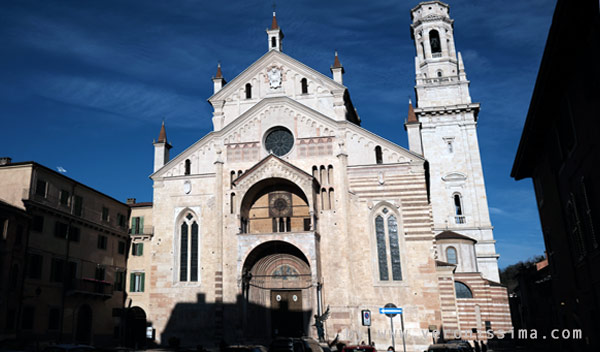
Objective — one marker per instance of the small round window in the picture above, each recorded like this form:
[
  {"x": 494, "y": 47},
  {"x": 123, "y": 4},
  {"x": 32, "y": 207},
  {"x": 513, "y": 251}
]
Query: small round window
[{"x": 279, "y": 141}]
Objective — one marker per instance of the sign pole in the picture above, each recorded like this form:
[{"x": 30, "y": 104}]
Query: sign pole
[
  {"x": 392, "y": 325},
  {"x": 369, "y": 333},
  {"x": 403, "y": 336}
]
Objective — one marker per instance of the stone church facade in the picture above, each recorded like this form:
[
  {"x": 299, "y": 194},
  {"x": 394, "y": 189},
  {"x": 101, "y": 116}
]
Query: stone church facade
[{"x": 289, "y": 208}]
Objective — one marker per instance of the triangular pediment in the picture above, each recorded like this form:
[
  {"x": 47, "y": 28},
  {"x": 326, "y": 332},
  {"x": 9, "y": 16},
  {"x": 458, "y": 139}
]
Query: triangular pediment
[
  {"x": 257, "y": 73},
  {"x": 272, "y": 167}
]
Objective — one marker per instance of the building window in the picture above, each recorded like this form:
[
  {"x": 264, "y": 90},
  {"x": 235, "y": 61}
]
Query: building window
[
  {"x": 331, "y": 197},
  {"x": 105, "y": 214},
  {"x": 57, "y": 267},
  {"x": 248, "y": 91},
  {"x": 137, "y": 225},
  {"x": 273, "y": 42},
  {"x": 188, "y": 167},
  {"x": 119, "y": 280},
  {"x": 35, "y": 266},
  {"x": 41, "y": 188},
  {"x": 439, "y": 73},
  {"x": 137, "y": 249},
  {"x": 102, "y": 241},
  {"x": 64, "y": 197},
  {"x": 74, "y": 233},
  {"x": 121, "y": 248},
  {"x": 38, "y": 223},
  {"x": 232, "y": 203},
  {"x": 450, "y": 147},
  {"x": 136, "y": 282},
  {"x": 304, "y": 84},
  {"x": 100, "y": 273},
  {"x": 188, "y": 248},
  {"x": 121, "y": 220},
  {"x": 451, "y": 255},
  {"x": 378, "y": 155},
  {"x": 77, "y": 205},
  {"x": 60, "y": 230},
  {"x": 462, "y": 290},
  {"x": 27, "y": 318},
  {"x": 458, "y": 209},
  {"x": 53, "y": 318},
  {"x": 388, "y": 245}
]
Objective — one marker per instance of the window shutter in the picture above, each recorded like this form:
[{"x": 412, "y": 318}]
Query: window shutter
[
  {"x": 131, "y": 282},
  {"x": 142, "y": 277},
  {"x": 141, "y": 249},
  {"x": 141, "y": 230}
]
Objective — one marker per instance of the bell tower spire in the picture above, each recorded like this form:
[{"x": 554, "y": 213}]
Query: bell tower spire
[
  {"x": 275, "y": 34},
  {"x": 437, "y": 61}
]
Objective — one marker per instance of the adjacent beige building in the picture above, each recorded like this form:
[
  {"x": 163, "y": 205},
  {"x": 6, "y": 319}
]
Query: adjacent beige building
[{"x": 74, "y": 275}]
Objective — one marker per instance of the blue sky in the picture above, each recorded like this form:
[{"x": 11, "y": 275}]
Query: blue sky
[{"x": 85, "y": 84}]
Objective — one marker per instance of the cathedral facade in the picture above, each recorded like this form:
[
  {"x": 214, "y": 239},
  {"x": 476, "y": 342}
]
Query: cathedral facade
[{"x": 289, "y": 210}]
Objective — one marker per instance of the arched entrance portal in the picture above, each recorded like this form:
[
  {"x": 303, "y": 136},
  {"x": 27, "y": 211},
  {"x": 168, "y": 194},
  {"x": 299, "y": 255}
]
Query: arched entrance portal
[
  {"x": 135, "y": 333},
  {"x": 276, "y": 291}
]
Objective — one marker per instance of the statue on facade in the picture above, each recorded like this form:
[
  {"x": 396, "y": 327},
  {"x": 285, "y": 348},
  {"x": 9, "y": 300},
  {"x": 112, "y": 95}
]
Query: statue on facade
[{"x": 319, "y": 320}]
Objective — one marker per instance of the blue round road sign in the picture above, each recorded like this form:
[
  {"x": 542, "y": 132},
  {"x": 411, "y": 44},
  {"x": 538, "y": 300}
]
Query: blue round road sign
[{"x": 390, "y": 305}]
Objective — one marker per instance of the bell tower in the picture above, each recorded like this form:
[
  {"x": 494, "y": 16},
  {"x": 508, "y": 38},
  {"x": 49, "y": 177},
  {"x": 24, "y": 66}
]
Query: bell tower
[{"x": 447, "y": 121}]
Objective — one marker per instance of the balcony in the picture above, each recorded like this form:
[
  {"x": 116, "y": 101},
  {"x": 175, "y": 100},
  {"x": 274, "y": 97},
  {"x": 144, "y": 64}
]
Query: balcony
[
  {"x": 145, "y": 231},
  {"x": 90, "y": 287},
  {"x": 460, "y": 219}
]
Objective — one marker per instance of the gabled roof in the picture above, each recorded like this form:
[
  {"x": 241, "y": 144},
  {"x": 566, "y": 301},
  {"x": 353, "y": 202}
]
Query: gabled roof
[
  {"x": 450, "y": 235},
  {"x": 264, "y": 161},
  {"x": 240, "y": 79}
]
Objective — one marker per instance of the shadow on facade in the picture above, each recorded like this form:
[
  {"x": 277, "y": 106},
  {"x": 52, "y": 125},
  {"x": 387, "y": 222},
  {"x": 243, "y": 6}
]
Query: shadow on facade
[{"x": 209, "y": 324}]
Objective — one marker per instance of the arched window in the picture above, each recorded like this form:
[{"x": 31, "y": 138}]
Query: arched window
[
  {"x": 188, "y": 167},
  {"x": 239, "y": 173},
  {"x": 248, "y": 91},
  {"x": 331, "y": 199},
  {"x": 315, "y": 172},
  {"x": 330, "y": 174},
  {"x": 232, "y": 177},
  {"x": 323, "y": 176},
  {"x": 458, "y": 205},
  {"x": 434, "y": 41},
  {"x": 451, "y": 255},
  {"x": 324, "y": 199},
  {"x": 304, "y": 84},
  {"x": 273, "y": 42},
  {"x": 378, "y": 155},
  {"x": 188, "y": 248},
  {"x": 388, "y": 245},
  {"x": 462, "y": 290},
  {"x": 232, "y": 203},
  {"x": 439, "y": 73}
]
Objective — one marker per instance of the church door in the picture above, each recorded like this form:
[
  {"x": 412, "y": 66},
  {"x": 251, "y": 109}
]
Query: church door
[{"x": 286, "y": 313}]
